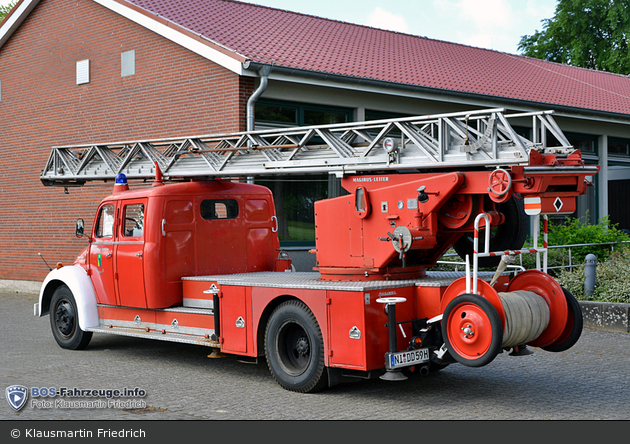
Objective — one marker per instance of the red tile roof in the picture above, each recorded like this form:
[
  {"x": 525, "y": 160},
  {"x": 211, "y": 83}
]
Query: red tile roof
[{"x": 294, "y": 40}]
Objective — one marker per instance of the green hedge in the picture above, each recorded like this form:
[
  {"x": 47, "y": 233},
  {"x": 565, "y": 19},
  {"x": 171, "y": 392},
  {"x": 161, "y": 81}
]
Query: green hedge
[
  {"x": 612, "y": 279},
  {"x": 574, "y": 231}
]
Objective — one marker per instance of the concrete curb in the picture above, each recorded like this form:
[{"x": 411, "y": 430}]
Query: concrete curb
[
  {"x": 606, "y": 316},
  {"x": 15, "y": 286},
  {"x": 598, "y": 315}
]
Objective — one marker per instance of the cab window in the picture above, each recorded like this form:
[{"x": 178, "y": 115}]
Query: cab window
[
  {"x": 219, "y": 209},
  {"x": 134, "y": 220},
  {"x": 105, "y": 222}
]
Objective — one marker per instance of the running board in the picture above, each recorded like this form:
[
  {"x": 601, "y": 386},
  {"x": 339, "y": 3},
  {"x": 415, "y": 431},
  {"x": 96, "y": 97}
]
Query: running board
[
  {"x": 176, "y": 324},
  {"x": 158, "y": 335}
]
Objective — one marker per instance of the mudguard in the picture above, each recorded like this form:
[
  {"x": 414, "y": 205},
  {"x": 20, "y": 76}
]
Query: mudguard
[{"x": 77, "y": 280}]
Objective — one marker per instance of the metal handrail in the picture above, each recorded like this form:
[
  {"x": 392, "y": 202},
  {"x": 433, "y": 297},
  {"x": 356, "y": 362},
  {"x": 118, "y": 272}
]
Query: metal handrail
[
  {"x": 569, "y": 246},
  {"x": 549, "y": 247}
]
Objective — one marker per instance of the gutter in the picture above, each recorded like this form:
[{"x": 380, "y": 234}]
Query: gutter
[{"x": 517, "y": 104}]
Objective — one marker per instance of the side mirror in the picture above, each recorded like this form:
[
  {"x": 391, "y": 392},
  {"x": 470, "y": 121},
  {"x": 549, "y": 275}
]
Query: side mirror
[{"x": 79, "y": 229}]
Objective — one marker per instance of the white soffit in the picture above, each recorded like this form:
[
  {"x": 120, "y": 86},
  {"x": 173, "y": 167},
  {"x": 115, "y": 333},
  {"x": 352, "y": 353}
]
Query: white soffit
[{"x": 16, "y": 19}]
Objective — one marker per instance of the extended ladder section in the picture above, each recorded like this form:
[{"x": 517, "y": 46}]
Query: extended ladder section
[{"x": 457, "y": 140}]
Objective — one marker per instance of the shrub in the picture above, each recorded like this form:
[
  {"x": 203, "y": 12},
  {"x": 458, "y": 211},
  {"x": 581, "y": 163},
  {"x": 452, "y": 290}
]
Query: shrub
[
  {"x": 612, "y": 279},
  {"x": 574, "y": 231}
]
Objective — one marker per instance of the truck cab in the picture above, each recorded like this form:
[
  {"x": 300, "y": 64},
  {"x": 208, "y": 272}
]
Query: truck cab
[{"x": 144, "y": 241}]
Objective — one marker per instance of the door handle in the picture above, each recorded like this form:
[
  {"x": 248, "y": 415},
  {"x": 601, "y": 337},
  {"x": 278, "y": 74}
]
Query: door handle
[{"x": 139, "y": 255}]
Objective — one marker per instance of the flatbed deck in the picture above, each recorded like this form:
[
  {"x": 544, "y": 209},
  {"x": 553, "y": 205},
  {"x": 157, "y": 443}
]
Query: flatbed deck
[{"x": 312, "y": 280}]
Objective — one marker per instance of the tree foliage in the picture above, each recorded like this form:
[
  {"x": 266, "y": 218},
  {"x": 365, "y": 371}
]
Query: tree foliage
[
  {"x": 591, "y": 34},
  {"x": 4, "y": 10}
]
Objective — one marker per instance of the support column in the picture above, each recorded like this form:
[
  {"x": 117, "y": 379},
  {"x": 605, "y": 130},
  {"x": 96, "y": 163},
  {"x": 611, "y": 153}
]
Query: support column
[{"x": 601, "y": 179}]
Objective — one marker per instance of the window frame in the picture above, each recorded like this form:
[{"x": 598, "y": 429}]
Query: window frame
[{"x": 301, "y": 109}]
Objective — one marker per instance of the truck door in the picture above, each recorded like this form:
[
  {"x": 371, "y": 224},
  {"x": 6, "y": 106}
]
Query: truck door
[
  {"x": 101, "y": 258},
  {"x": 129, "y": 254}
]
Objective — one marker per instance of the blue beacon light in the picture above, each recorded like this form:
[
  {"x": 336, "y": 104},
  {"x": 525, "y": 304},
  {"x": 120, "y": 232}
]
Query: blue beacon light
[{"x": 120, "y": 183}]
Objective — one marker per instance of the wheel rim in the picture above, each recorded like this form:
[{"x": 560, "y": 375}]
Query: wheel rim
[
  {"x": 469, "y": 331},
  {"x": 293, "y": 348},
  {"x": 65, "y": 318}
]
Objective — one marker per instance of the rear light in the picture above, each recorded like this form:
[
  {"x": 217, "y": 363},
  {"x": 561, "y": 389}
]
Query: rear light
[{"x": 416, "y": 342}]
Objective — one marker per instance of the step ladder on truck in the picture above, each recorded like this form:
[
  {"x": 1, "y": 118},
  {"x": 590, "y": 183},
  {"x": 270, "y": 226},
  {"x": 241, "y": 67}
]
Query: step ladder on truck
[{"x": 195, "y": 258}]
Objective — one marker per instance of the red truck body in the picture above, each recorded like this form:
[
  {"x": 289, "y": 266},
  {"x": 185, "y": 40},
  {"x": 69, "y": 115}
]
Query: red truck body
[{"x": 198, "y": 261}]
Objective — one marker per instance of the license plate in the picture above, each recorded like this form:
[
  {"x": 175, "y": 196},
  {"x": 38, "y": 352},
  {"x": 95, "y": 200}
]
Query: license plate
[{"x": 406, "y": 358}]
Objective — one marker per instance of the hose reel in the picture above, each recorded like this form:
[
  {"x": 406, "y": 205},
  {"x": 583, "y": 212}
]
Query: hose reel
[
  {"x": 526, "y": 317},
  {"x": 476, "y": 327}
]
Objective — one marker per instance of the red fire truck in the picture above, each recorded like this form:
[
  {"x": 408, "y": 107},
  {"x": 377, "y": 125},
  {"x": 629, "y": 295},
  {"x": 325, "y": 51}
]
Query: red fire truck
[{"x": 195, "y": 258}]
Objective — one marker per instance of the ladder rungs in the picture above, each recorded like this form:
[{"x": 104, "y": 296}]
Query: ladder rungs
[{"x": 479, "y": 138}]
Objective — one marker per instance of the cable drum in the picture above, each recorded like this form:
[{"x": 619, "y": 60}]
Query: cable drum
[{"x": 526, "y": 317}]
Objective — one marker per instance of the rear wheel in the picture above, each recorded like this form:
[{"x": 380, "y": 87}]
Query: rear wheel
[
  {"x": 294, "y": 348},
  {"x": 573, "y": 329},
  {"x": 64, "y": 320},
  {"x": 472, "y": 330}
]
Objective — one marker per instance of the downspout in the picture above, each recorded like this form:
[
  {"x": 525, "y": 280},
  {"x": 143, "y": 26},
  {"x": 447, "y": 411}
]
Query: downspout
[{"x": 263, "y": 72}]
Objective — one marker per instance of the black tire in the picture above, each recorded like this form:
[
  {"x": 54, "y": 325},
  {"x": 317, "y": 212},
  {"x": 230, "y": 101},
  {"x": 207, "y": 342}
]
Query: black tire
[
  {"x": 64, "y": 320},
  {"x": 573, "y": 329},
  {"x": 483, "y": 343},
  {"x": 510, "y": 235},
  {"x": 294, "y": 348}
]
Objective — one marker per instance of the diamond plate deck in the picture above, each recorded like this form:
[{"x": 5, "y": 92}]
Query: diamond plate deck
[{"x": 312, "y": 281}]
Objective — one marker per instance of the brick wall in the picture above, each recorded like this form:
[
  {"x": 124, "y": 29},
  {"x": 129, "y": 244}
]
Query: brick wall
[{"x": 173, "y": 93}]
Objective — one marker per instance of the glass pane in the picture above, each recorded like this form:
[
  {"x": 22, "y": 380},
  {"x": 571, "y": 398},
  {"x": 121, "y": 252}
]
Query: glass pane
[
  {"x": 619, "y": 148},
  {"x": 584, "y": 145},
  {"x": 295, "y": 205},
  {"x": 360, "y": 204},
  {"x": 315, "y": 117},
  {"x": 105, "y": 222},
  {"x": 134, "y": 220},
  {"x": 280, "y": 114},
  {"x": 219, "y": 209}
]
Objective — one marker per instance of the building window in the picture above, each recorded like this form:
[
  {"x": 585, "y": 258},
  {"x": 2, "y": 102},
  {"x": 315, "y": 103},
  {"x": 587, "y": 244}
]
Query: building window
[
  {"x": 586, "y": 143},
  {"x": 271, "y": 113},
  {"x": 128, "y": 63},
  {"x": 371, "y": 114},
  {"x": 618, "y": 147},
  {"x": 83, "y": 72},
  {"x": 295, "y": 196}
]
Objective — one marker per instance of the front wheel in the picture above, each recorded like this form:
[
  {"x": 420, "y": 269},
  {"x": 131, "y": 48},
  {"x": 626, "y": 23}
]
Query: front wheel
[
  {"x": 64, "y": 320},
  {"x": 294, "y": 348}
]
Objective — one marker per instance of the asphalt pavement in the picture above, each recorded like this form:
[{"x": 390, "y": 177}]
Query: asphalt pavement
[{"x": 180, "y": 382}]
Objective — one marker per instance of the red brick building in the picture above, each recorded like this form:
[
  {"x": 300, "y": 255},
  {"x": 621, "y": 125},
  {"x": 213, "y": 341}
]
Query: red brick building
[{"x": 111, "y": 70}]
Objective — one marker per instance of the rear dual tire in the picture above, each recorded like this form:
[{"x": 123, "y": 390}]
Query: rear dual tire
[{"x": 294, "y": 348}]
